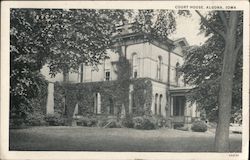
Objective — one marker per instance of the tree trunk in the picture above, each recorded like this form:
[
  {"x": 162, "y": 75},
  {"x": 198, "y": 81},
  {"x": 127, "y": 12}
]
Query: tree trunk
[{"x": 226, "y": 85}]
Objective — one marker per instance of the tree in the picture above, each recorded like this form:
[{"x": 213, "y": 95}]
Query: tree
[
  {"x": 202, "y": 69},
  {"x": 61, "y": 38},
  {"x": 219, "y": 57},
  {"x": 80, "y": 36},
  {"x": 28, "y": 41},
  {"x": 158, "y": 23}
]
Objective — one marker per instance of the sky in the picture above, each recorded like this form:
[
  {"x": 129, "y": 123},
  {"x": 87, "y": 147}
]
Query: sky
[{"x": 188, "y": 27}]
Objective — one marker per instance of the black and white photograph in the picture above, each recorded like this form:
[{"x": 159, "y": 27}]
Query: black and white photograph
[{"x": 126, "y": 79}]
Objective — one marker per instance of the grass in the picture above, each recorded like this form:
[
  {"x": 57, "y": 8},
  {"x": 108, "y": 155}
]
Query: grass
[{"x": 114, "y": 139}]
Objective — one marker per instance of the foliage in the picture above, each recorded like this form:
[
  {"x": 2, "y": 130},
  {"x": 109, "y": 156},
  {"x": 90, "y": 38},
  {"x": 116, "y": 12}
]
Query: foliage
[
  {"x": 87, "y": 121},
  {"x": 199, "y": 126},
  {"x": 127, "y": 121},
  {"x": 54, "y": 120},
  {"x": 158, "y": 23},
  {"x": 202, "y": 68},
  {"x": 61, "y": 38},
  {"x": 144, "y": 122},
  {"x": 35, "y": 119},
  {"x": 178, "y": 125},
  {"x": 80, "y": 36},
  {"x": 184, "y": 128},
  {"x": 28, "y": 43}
]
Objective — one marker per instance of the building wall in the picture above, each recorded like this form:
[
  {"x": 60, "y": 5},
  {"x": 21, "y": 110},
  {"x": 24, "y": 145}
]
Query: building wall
[{"x": 147, "y": 59}]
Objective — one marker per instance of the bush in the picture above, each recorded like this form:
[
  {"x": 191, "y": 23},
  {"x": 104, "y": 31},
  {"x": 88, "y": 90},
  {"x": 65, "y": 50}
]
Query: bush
[
  {"x": 183, "y": 128},
  {"x": 144, "y": 123},
  {"x": 127, "y": 122},
  {"x": 54, "y": 120},
  {"x": 178, "y": 125},
  {"x": 109, "y": 123},
  {"x": 199, "y": 126},
  {"x": 87, "y": 121},
  {"x": 35, "y": 119}
]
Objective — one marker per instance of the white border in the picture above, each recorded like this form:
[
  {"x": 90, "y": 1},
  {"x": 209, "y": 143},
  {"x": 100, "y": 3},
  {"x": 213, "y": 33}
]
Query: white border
[{"x": 5, "y": 38}]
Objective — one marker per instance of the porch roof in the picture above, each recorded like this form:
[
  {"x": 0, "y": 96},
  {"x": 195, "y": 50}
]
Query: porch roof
[{"x": 180, "y": 90}]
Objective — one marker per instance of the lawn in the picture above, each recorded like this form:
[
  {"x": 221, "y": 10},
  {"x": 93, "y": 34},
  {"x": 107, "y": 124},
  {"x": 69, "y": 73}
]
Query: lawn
[{"x": 114, "y": 139}]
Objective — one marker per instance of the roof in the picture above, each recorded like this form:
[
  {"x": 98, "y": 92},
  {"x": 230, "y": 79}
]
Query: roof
[
  {"x": 180, "y": 89},
  {"x": 143, "y": 37}
]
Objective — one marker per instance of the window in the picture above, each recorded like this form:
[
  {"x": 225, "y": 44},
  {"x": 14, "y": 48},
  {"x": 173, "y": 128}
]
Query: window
[
  {"x": 182, "y": 44},
  {"x": 107, "y": 75},
  {"x": 134, "y": 65},
  {"x": 107, "y": 68},
  {"x": 159, "y": 66},
  {"x": 156, "y": 99},
  {"x": 177, "y": 74},
  {"x": 135, "y": 74},
  {"x": 160, "y": 101}
]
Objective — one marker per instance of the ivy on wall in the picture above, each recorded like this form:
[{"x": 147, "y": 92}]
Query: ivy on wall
[{"x": 110, "y": 92}]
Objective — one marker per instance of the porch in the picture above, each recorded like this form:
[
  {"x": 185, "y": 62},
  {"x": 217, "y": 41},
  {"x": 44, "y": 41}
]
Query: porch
[{"x": 182, "y": 111}]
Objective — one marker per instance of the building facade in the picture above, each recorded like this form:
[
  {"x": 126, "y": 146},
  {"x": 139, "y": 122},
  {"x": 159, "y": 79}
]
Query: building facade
[{"x": 152, "y": 62}]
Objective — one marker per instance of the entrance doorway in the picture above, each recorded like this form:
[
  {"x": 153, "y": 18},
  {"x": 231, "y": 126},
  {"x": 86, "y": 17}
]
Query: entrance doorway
[{"x": 179, "y": 103}]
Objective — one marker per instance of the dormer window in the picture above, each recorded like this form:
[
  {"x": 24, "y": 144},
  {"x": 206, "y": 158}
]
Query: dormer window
[{"x": 182, "y": 44}]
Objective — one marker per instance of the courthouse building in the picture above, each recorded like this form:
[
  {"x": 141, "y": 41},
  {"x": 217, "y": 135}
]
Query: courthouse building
[{"x": 155, "y": 85}]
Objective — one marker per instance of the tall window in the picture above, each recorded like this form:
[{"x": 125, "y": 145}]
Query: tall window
[
  {"x": 159, "y": 67},
  {"x": 156, "y": 99},
  {"x": 177, "y": 74},
  {"x": 107, "y": 68},
  {"x": 160, "y": 101},
  {"x": 134, "y": 65}
]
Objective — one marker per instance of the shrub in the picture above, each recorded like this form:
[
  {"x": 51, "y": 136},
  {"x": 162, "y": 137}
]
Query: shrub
[
  {"x": 127, "y": 122},
  {"x": 54, "y": 120},
  {"x": 144, "y": 123},
  {"x": 138, "y": 122},
  {"x": 35, "y": 119},
  {"x": 199, "y": 126},
  {"x": 109, "y": 122},
  {"x": 87, "y": 121},
  {"x": 178, "y": 125},
  {"x": 183, "y": 128}
]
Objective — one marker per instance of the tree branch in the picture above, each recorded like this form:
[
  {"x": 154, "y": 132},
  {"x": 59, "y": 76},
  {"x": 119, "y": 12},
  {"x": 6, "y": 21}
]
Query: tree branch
[
  {"x": 210, "y": 26},
  {"x": 223, "y": 19}
]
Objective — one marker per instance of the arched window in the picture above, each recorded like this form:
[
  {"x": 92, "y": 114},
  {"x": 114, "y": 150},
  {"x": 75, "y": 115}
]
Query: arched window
[
  {"x": 156, "y": 99},
  {"x": 160, "y": 104},
  {"x": 177, "y": 74},
  {"x": 159, "y": 67},
  {"x": 107, "y": 68},
  {"x": 134, "y": 65}
]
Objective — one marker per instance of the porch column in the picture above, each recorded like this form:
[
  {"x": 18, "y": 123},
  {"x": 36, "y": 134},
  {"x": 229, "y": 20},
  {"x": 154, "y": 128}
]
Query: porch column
[
  {"x": 171, "y": 106},
  {"x": 98, "y": 103},
  {"x": 131, "y": 88},
  {"x": 50, "y": 99}
]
